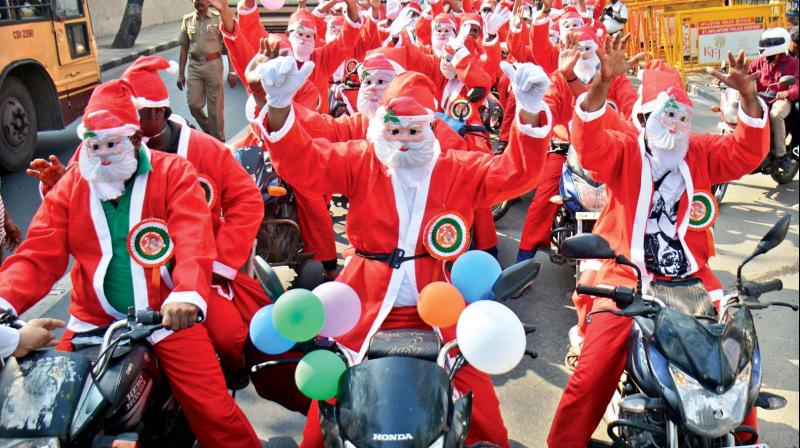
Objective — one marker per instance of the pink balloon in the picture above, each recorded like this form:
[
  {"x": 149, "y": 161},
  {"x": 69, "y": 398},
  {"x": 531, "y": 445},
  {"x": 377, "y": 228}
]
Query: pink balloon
[
  {"x": 272, "y": 5},
  {"x": 342, "y": 308}
]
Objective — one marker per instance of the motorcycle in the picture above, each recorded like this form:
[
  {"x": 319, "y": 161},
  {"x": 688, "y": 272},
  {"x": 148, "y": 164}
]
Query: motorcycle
[
  {"x": 692, "y": 375},
  {"x": 581, "y": 200},
  {"x": 339, "y": 103},
  {"x": 279, "y": 240},
  {"x": 402, "y": 394},
  {"x": 728, "y": 110},
  {"x": 109, "y": 392}
]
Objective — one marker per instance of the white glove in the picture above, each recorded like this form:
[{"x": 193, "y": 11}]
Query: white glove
[
  {"x": 529, "y": 83},
  {"x": 495, "y": 20},
  {"x": 393, "y": 9},
  {"x": 281, "y": 79},
  {"x": 457, "y": 43},
  {"x": 403, "y": 20}
]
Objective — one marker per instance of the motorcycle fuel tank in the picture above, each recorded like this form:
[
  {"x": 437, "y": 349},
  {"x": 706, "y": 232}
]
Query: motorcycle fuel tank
[
  {"x": 39, "y": 393},
  {"x": 393, "y": 401}
]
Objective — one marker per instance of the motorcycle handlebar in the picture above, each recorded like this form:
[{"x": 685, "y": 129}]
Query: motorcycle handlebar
[
  {"x": 621, "y": 295},
  {"x": 755, "y": 290},
  {"x": 152, "y": 317}
]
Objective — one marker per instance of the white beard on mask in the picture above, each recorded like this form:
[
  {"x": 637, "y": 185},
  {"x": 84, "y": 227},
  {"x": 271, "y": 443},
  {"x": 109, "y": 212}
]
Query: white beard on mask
[
  {"x": 302, "y": 50},
  {"x": 388, "y": 152},
  {"x": 667, "y": 150},
  {"x": 438, "y": 43},
  {"x": 109, "y": 180},
  {"x": 586, "y": 69},
  {"x": 367, "y": 106}
]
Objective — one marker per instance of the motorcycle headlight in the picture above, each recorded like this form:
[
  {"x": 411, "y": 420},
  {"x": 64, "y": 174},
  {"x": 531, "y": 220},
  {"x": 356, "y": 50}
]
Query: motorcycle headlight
[
  {"x": 44, "y": 442},
  {"x": 707, "y": 413},
  {"x": 592, "y": 199}
]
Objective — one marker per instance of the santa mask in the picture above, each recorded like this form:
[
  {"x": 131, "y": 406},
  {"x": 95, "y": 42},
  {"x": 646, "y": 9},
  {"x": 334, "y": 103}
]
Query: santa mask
[
  {"x": 332, "y": 33},
  {"x": 554, "y": 36},
  {"x": 589, "y": 63},
  {"x": 568, "y": 24},
  {"x": 371, "y": 91},
  {"x": 441, "y": 36},
  {"x": 106, "y": 163},
  {"x": 667, "y": 133},
  {"x": 302, "y": 42},
  {"x": 401, "y": 144}
]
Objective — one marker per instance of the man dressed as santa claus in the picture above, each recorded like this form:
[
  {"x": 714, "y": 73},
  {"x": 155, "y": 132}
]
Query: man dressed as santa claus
[
  {"x": 402, "y": 165},
  {"x": 653, "y": 179},
  {"x": 125, "y": 213},
  {"x": 578, "y": 66}
]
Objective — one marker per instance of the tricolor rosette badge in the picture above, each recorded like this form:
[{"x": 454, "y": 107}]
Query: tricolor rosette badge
[
  {"x": 446, "y": 236},
  {"x": 209, "y": 188},
  {"x": 703, "y": 210},
  {"x": 150, "y": 246}
]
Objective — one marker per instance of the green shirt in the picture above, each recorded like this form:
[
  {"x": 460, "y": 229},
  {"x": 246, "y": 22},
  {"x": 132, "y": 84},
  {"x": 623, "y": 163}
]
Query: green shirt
[{"x": 118, "y": 282}]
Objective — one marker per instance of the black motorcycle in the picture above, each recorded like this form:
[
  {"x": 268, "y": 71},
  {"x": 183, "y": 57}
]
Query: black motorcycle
[
  {"x": 402, "y": 394},
  {"x": 109, "y": 392},
  {"x": 692, "y": 375}
]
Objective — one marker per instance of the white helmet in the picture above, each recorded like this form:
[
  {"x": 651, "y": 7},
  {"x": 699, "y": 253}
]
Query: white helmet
[{"x": 774, "y": 41}]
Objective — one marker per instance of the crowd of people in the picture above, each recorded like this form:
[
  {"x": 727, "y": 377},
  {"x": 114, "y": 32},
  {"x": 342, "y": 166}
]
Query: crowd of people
[{"x": 158, "y": 214}]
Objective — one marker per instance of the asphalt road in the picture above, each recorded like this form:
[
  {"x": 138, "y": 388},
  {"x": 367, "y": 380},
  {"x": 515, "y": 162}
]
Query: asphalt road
[{"x": 529, "y": 394}]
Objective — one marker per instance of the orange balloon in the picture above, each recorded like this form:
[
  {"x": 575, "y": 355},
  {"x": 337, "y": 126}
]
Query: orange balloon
[{"x": 440, "y": 304}]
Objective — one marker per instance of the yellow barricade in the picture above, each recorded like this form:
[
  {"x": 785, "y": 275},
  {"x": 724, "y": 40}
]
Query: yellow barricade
[{"x": 696, "y": 38}]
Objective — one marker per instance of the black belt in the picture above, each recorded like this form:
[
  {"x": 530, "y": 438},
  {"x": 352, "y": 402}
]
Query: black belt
[{"x": 393, "y": 259}]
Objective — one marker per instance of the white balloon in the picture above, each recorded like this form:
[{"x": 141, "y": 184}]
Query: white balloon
[{"x": 491, "y": 337}]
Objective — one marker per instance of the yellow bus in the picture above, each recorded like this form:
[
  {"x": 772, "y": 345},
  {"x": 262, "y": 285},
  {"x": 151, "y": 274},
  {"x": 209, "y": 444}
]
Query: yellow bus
[{"x": 48, "y": 69}]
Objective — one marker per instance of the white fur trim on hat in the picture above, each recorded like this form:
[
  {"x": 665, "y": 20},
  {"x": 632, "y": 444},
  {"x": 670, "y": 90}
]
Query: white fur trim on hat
[
  {"x": 103, "y": 134},
  {"x": 141, "y": 103}
]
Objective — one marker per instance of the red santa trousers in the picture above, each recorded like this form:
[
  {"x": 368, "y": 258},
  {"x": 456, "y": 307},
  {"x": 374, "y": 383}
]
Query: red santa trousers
[
  {"x": 487, "y": 422},
  {"x": 195, "y": 378},
  {"x": 484, "y": 231},
  {"x": 536, "y": 231},
  {"x": 316, "y": 225}
]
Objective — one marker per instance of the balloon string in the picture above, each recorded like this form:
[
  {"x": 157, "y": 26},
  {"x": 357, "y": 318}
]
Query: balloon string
[{"x": 444, "y": 272}]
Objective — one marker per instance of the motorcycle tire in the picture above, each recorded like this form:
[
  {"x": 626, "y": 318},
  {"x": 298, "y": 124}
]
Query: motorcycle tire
[
  {"x": 719, "y": 191},
  {"x": 784, "y": 177},
  {"x": 500, "y": 209}
]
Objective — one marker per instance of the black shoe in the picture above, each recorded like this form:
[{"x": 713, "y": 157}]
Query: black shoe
[
  {"x": 236, "y": 379},
  {"x": 786, "y": 163}
]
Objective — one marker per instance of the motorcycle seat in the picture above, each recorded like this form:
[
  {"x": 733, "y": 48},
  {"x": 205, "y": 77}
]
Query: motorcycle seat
[{"x": 420, "y": 344}]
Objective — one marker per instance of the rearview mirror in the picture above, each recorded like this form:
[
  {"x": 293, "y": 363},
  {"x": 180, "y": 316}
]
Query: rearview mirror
[
  {"x": 787, "y": 80},
  {"x": 514, "y": 278},
  {"x": 476, "y": 94},
  {"x": 775, "y": 236},
  {"x": 587, "y": 246},
  {"x": 268, "y": 278}
]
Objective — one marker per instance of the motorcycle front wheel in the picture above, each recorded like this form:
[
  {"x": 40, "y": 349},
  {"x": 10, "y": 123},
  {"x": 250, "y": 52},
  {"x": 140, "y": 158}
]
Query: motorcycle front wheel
[
  {"x": 719, "y": 191},
  {"x": 784, "y": 177},
  {"x": 500, "y": 209}
]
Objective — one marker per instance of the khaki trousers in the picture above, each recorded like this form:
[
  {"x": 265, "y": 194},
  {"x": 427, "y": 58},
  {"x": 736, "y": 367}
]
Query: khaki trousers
[{"x": 204, "y": 85}]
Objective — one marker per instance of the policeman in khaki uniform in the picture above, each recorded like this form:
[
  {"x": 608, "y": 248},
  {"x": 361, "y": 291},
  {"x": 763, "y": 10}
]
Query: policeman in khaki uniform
[{"x": 201, "y": 45}]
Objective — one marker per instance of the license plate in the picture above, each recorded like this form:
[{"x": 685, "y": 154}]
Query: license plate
[
  {"x": 585, "y": 216},
  {"x": 760, "y": 445}
]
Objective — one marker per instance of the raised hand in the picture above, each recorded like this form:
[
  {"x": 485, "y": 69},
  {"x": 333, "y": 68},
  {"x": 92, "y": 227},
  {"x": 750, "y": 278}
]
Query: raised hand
[
  {"x": 47, "y": 171},
  {"x": 738, "y": 76},
  {"x": 568, "y": 56},
  {"x": 265, "y": 53},
  {"x": 458, "y": 42},
  {"x": 401, "y": 22},
  {"x": 281, "y": 79},
  {"x": 615, "y": 62},
  {"x": 529, "y": 83},
  {"x": 496, "y": 19}
]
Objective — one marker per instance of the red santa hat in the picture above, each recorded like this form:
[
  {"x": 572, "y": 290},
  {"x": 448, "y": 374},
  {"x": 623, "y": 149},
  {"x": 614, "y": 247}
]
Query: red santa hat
[
  {"x": 110, "y": 112},
  {"x": 377, "y": 63},
  {"x": 586, "y": 34},
  {"x": 149, "y": 89},
  {"x": 570, "y": 18},
  {"x": 661, "y": 85},
  {"x": 487, "y": 4},
  {"x": 415, "y": 6},
  {"x": 337, "y": 21},
  {"x": 408, "y": 99},
  {"x": 444, "y": 19},
  {"x": 471, "y": 18},
  {"x": 302, "y": 20}
]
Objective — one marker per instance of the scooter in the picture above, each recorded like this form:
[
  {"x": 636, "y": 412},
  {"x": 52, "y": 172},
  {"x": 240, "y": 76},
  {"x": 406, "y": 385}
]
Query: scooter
[
  {"x": 692, "y": 375},
  {"x": 771, "y": 166},
  {"x": 109, "y": 392},
  {"x": 339, "y": 103},
  {"x": 279, "y": 240},
  {"x": 402, "y": 395},
  {"x": 581, "y": 201}
]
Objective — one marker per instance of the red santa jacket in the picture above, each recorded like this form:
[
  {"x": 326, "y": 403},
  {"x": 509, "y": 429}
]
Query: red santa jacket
[
  {"x": 562, "y": 103},
  {"x": 236, "y": 204},
  {"x": 618, "y": 159},
  {"x": 71, "y": 222},
  {"x": 456, "y": 181}
]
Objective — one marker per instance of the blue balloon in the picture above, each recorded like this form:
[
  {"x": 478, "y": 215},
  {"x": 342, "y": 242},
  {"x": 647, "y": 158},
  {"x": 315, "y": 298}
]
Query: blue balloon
[
  {"x": 265, "y": 336},
  {"x": 474, "y": 274}
]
